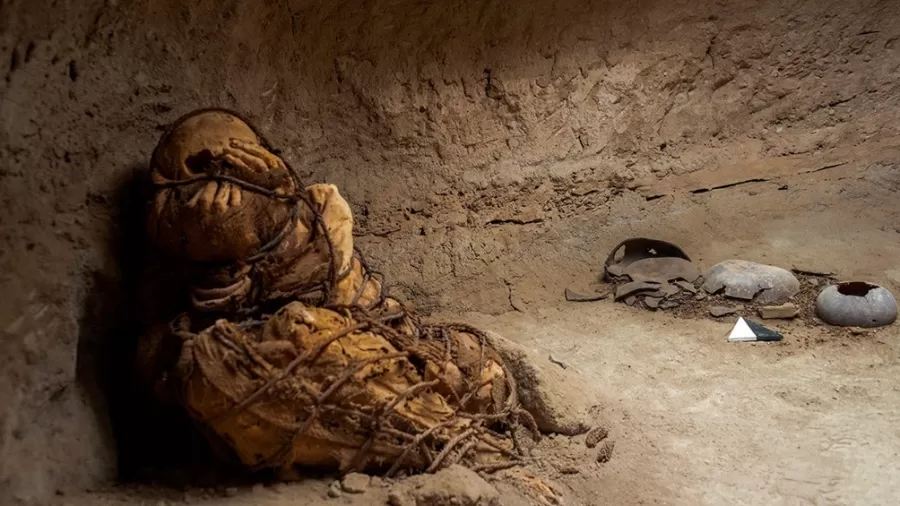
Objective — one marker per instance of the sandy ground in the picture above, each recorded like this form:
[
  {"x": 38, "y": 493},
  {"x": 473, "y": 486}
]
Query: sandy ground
[
  {"x": 698, "y": 420},
  {"x": 695, "y": 419}
]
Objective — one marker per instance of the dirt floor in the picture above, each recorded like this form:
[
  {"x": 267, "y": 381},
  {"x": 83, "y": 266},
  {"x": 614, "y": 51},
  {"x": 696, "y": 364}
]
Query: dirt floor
[{"x": 695, "y": 419}]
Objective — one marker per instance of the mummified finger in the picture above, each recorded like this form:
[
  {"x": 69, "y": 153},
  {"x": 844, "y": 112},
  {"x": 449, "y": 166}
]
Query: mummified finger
[{"x": 235, "y": 214}]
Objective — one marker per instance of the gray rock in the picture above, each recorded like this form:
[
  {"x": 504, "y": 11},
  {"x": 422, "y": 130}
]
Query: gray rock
[
  {"x": 740, "y": 279},
  {"x": 784, "y": 311},
  {"x": 856, "y": 304}
]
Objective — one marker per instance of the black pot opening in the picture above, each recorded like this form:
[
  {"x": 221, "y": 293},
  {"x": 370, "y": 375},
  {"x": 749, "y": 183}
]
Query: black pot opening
[{"x": 855, "y": 288}]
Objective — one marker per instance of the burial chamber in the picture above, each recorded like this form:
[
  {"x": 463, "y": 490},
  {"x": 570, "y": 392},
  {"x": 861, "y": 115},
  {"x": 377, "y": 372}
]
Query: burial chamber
[{"x": 492, "y": 152}]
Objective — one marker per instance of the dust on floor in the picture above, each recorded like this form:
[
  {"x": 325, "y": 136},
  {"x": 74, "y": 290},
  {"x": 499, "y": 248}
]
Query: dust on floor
[{"x": 695, "y": 419}]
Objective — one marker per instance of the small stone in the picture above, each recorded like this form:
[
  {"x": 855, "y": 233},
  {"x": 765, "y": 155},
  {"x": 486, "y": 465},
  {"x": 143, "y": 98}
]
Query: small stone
[
  {"x": 334, "y": 490},
  {"x": 605, "y": 452},
  {"x": 231, "y": 491},
  {"x": 784, "y": 311},
  {"x": 813, "y": 281},
  {"x": 569, "y": 470},
  {"x": 595, "y": 435},
  {"x": 398, "y": 499},
  {"x": 719, "y": 311},
  {"x": 279, "y": 487},
  {"x": 355, "y": 483},
  {"x": 856, "y": 331}
]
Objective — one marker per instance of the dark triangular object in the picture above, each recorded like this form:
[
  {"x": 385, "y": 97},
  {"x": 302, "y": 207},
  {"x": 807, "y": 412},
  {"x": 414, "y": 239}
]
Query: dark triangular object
[{"x": 763, "y": 333}]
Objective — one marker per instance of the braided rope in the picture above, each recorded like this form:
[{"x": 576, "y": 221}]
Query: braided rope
[{"x": 421, "y": 449}]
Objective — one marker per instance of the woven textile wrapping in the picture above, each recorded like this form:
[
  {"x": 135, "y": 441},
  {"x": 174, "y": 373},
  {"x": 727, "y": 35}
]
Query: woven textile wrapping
[{"x": 292, "y": 351}]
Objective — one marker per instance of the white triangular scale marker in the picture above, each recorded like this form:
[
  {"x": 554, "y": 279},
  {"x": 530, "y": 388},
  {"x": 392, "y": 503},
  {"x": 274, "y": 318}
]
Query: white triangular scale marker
[{"x": 741, "y": 332}]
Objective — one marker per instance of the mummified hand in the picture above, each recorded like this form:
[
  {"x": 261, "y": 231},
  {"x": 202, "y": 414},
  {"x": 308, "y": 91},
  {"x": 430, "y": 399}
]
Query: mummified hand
[
  {"x": 317, "y": 249},
  {"x": 227, "y": 221},
  {"x": 206, "y": 220}
]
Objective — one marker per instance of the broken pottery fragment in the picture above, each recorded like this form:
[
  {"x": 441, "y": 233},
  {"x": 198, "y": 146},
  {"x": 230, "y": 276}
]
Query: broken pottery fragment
[
  {"x": 810, "y": 271},
  {"x": 741, "y": 279},
  {"x": 652, "y": 302},
  {"x": 574, "y": 296},
  {"x": 684, "y": 285},
  {"x": 667, "y": 290},
  {"x": 719, "y": 311},
  {"x": 639, "y": 248},
  {"x": 783, "y": 311},
  {"x": 634, "y": 287},
  {"x": 856, "y": 304},
  {"x": 650, "y": 273}
]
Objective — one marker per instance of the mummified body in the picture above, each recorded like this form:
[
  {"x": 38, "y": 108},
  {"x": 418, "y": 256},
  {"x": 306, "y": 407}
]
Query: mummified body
[{"x": 308, "y": 362}]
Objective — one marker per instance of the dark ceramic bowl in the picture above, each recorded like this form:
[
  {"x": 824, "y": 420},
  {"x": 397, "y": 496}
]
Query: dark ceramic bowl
[{"x": 856, "y": 304}]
